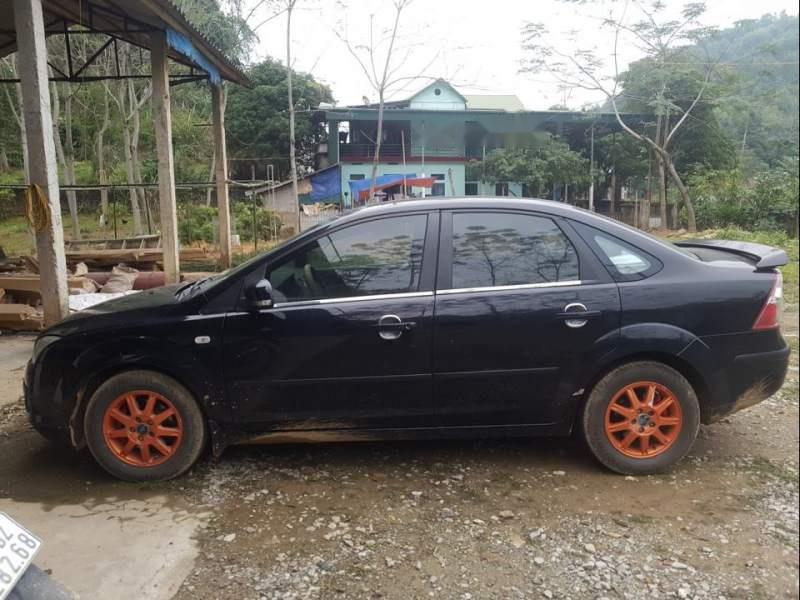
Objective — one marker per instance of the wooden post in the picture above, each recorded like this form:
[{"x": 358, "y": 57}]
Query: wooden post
[
  {"x": 162, "y": 121},
  {"x": 221, "y": 174},
  {"x": 32, "y": 53}
]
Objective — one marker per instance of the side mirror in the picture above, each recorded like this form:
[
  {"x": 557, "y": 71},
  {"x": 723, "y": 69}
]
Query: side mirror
[{"x": 259, "y": 295}]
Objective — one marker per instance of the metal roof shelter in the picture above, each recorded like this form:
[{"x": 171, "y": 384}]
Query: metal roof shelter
[{"x": 154, "y": 25}]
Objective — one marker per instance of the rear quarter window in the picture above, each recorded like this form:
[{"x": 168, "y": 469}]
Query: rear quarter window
[{"x": 623, "y": 261}]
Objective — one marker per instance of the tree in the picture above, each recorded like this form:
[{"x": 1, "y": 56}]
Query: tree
[
  {"x": 538, "y": 166},
  {"x": 665, "y": 43},
  {"x": 385, "y": 80},
  {"x": 265, "y": 104}
]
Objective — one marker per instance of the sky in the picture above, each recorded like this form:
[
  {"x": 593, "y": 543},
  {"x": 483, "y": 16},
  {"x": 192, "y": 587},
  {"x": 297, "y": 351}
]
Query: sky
[{"x": 474, "y": 44}]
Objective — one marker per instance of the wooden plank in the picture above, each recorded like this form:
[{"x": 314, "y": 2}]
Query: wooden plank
[
  {"x": 221, "y": 174},
  {"x": 162, "y": 124},
  {"x": 23, "y": 282},
  {"x": 20, "y": 317}
]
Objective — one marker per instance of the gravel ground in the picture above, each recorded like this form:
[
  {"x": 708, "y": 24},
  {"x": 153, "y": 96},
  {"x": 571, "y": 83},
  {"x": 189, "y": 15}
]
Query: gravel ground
[{"x": 498, "y": 519}]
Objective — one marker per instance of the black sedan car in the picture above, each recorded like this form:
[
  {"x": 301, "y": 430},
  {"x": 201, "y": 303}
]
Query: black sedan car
[{"x": 437, "y": 318}]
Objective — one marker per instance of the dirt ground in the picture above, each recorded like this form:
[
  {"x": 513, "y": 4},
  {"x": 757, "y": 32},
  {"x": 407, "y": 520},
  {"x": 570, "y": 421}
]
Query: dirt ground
[{"x": 468, "y": 519}]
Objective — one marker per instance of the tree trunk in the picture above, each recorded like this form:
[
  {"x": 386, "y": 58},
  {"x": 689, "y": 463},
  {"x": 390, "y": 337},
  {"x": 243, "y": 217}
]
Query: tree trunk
[
  {"x": 613, "y": 193},
  {"x": 211, "y": 172},
  {"x": 23, "y": 135},
  {"x": 691, "y": 220},
  {"x": 378, "y": 141},
  {"x": 4, "y": 166},
  {"x": 131, "y": 178},
  {"x": 292, "y": 157},
  {"x": 128, "y": 147},
  {"x": 99, "y": 151},
  {"x": 662, "y": 175},
  {"x": 65, "y": 157}
]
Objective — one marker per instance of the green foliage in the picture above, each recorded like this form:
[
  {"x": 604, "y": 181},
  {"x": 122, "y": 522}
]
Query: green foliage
[
  {"x": 258, "y": 118},
  {"x": 539, "y": 166},
  {"x": 768, "y": 202},
  {"x": 666, "y": 86},
  {"x": 196, "y": 222},
  {"x": 760, "y": 114},
  {"x": 266, "y": 222},
  {"x": 228, "y": 32}
]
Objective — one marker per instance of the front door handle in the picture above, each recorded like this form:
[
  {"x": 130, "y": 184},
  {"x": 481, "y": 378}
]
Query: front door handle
[
  {"x": 576, "y": 315},
  {"x": 391, "y": 327}
]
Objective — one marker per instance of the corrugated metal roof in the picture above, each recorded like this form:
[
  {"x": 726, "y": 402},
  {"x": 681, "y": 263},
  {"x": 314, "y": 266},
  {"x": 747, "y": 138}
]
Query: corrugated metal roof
[{"x": 110, "y": 14}]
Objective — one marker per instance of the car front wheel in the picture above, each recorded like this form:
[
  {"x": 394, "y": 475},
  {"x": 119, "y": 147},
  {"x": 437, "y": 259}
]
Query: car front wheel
[
  {"x": 144, "y": 426},
  {"x": 641, "y": 418}
]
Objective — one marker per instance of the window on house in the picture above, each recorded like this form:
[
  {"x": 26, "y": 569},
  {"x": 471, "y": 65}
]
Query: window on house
[
  {"x": 356, "y": 176},
  {"x": 493, "y": 249},
  {"x": 438, "y": 185},
  {"x": 378, "y": 257},
  {"x": 501, "y": 189},
  {"x": 471, "y": 188}
]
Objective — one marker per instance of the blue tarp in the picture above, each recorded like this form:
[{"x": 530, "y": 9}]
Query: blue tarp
[
  {"x": 356, "y": 187},
  {"x": 181, "y": 43},
  {"x": 326, "y": 185}
]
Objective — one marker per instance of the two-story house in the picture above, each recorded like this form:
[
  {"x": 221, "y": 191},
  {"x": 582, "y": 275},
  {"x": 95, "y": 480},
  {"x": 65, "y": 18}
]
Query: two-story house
[{"x": 436, "y": 134}]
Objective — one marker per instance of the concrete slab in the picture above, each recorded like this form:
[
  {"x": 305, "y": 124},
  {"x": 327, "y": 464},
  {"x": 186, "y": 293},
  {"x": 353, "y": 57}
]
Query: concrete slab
[
  {"x": 101, "y": 538},
  {"x": 113, "y": 548},
  {"x": 15, "y": 350}
]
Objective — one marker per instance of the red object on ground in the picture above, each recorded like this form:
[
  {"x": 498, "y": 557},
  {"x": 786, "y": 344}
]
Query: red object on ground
[{"x": 145, "y": 280}]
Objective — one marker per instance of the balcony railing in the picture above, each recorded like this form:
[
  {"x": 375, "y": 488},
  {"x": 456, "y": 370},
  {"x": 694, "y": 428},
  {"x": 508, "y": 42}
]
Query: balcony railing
[{"x": 395, "y": 151}]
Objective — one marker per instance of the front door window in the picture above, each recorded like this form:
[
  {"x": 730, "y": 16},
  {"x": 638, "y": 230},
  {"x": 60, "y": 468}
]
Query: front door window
[{"x": 383, "y": 256}]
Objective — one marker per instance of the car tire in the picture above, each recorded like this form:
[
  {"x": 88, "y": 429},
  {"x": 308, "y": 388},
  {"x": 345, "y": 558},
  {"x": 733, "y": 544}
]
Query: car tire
[
  {"x": 641, "y": 418},
  {"x": 144, "y": 426}
]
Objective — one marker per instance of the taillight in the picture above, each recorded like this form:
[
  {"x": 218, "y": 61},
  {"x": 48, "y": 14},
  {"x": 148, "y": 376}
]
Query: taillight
[{"x": 772, "y": 313}]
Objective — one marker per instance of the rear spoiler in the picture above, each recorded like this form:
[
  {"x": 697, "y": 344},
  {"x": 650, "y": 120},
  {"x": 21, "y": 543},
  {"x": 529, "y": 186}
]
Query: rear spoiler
[{"x": 764, "y": 257}]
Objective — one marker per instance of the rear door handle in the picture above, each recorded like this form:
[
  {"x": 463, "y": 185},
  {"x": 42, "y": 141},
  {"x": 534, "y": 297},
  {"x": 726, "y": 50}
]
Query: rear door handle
[
  {"x": 579, "y": 314},
  {"x": 576, "y": 315}
]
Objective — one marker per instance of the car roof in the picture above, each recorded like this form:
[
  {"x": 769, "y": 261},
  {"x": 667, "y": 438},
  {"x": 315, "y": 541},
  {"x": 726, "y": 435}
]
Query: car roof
[{"x": 471, "y": 202}]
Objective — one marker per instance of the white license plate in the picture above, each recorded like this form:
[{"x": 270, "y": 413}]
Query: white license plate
[{"x": 18, "y": 546}]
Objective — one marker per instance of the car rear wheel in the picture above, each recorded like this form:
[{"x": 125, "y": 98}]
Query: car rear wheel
[
  {"x": 144, "y": 426},
  {"x": 641, "y": 418}
]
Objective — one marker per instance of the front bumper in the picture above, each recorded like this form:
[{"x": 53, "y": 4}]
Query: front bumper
[
  {"x": 751, "y": 379},
  {"x": 53, "y": 423}
]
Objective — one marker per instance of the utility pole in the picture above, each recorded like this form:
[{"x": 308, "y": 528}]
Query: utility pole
[{"x": 591, "y": 171}]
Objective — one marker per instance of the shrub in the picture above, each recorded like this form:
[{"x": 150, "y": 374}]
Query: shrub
[
  {"x": 196, "y": 222},
  {"x": 266, "y": 221},
  {"x": 726, "y": 199}
]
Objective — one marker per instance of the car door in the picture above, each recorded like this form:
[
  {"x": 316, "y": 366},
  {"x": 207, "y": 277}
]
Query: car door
[
  {"x": 347, "y": 342},
  {"x": 523, "y": 309}
]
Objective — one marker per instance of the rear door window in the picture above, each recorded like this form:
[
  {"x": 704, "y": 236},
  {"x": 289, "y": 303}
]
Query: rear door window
[{"x": 493, "y": 249}]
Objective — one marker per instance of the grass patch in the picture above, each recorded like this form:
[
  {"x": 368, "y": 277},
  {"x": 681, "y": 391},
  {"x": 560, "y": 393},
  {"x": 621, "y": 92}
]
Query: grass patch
[{"x": 762, "y": 466}]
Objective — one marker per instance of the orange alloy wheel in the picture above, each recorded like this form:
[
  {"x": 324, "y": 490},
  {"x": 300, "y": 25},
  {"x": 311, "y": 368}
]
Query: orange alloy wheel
[
  {"x": 643, "y": 419},
  {"x": 142, "y": 428}
]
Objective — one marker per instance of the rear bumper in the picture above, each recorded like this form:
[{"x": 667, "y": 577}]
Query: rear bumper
[{"x": 751, "y": 378}]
